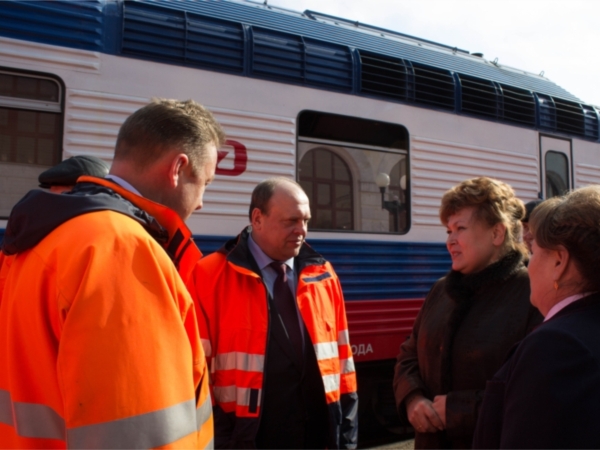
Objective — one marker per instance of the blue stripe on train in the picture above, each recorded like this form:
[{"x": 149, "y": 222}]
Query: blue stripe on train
[{"x": 371, "y": 270}]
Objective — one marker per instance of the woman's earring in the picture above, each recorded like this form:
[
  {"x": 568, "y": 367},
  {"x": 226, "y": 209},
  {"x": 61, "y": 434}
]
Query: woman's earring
[{"x": 556, "y": 285}]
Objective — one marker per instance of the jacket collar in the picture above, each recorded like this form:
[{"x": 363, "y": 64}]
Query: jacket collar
[
  {"x": 239, "y": 254},
  {"x": 578, "y": 305},
  {"x": 461, "y": 287},
  {"x": 40, "y": 212},
  {"x": 177, "y": 239}
]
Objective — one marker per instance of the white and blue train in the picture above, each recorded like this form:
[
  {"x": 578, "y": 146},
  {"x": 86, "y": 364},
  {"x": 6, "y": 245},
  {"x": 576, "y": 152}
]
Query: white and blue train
[{"x": 376, "y": 126}]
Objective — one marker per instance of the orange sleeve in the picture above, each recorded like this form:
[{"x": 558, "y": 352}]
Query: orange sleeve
[
  {"x": 129, "y": 353},
  {"x": 198, "y": 282}
]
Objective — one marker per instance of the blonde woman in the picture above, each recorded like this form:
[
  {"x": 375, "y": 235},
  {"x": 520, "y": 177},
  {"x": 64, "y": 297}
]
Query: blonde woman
[{"x": 471, "y": 317}]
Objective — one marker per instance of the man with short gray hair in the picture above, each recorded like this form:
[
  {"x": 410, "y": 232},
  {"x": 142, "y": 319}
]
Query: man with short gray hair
[{"x": 275, "y": 333}]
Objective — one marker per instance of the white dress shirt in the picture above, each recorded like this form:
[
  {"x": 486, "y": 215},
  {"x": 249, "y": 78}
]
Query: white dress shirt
[{"x": 269, "y": 275}]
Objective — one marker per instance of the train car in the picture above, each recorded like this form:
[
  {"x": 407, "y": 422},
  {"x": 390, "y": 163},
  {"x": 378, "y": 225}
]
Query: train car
[{"x": 376, "y": 125}]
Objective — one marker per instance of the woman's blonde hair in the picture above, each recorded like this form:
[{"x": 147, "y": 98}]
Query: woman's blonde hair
[
  {"x": 572, "y": 221},
  {"x": 494, "y": 202}
]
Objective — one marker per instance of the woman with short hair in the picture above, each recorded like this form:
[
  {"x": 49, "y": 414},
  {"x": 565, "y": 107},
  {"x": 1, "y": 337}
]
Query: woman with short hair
[
  {"x": 471, "y": 317},
  {"x": 547, "y": 395}
]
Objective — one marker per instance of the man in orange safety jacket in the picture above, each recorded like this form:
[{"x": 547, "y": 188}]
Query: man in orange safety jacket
[
  {"x": 274, "y": 331},
  {"x": 99, "y": 342}
]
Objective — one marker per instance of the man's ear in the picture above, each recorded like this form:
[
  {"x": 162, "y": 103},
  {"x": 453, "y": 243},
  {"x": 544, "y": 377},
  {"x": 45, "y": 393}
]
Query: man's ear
[
  {"x": 256, "y": 219},
  {"x": 177, "y": 163}
]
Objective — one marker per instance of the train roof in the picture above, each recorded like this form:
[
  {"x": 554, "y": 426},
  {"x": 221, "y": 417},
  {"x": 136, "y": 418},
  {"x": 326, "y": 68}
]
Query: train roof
[
  {"x": 258, "y": 40},
  {"x": 307, "y": 24},
  {"x": 345, "y": 32}
]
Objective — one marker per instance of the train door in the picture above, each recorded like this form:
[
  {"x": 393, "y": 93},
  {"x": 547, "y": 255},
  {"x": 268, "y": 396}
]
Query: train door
[{"x": 556, "y": 166}]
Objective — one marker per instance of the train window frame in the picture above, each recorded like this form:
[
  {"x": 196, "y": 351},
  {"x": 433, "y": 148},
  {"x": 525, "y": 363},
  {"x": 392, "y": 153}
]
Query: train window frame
[
  {"x": 32, "y": 104},
  {"x": 340, "y": 211},
  {"x": 556, "y": 183},
  {"x": 16, "y": 103},
  {"x": 36, "y": 116},
  {"x": 359, "y": 142}
]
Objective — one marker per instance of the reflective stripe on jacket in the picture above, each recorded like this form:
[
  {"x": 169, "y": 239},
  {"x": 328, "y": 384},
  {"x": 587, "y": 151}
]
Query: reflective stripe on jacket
[
  {"x": 231, "y": 302},
  {"x": 99, "y": 343}
]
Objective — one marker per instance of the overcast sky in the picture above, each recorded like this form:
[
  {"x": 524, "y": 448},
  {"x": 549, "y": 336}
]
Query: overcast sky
[{"x": 559, "y": 37}]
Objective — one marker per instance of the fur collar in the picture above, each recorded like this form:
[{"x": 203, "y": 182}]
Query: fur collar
[{"x": 461, "y": 288}]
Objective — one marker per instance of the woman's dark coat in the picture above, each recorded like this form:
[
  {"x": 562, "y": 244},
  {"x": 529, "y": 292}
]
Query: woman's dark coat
[
  {"x": 461, "y": 337},
  {"x": 547, "y": 395}
]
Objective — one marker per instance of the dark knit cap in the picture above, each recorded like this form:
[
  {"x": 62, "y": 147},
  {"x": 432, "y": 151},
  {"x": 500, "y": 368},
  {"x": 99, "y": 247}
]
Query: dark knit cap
[
  {"x": 66, "y": 172},
  {"x": 529, "y": 207}
]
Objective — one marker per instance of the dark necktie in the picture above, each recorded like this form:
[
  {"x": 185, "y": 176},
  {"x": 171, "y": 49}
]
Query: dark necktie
[{"x": 286, "y": 307}]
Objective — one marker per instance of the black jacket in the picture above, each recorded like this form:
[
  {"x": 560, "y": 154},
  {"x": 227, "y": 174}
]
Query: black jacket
[
  {"x": 547, "y": 394},
  {"x": 462, "y": 334}
]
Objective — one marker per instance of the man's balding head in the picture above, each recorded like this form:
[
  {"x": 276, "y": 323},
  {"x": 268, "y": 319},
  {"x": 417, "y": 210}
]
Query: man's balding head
[
  {"x": 279, "y": 214},
  {"x": 265, "y": 189}
]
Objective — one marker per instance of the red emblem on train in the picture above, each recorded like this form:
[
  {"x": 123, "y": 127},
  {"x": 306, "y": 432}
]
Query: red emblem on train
[{"x": 240, "y": 159}]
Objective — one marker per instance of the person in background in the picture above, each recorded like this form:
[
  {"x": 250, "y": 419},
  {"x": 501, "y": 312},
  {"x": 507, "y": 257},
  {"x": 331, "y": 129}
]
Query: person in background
[
  {"x": 98, "y": 333},
  {"x": 63, "y": 176},
  {"x": 547, "y": 394},
  {"x": 273, "y": 320},
  {"x": 527, "y": 236},
  {"x": 471, "y": 317}
]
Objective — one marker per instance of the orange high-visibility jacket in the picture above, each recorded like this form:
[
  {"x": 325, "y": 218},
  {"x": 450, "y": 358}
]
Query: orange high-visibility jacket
[
  {"x": 99, "y": 342},
  {"x": 231, "y": 302}
]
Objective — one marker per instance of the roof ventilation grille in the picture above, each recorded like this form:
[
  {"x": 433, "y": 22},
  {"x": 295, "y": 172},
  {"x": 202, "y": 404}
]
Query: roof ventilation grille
[
  {"x": 328, "y": 65},
  {"x": 432, "y": 86},
  {"x": 154, "y": 32},
  {"x": 547, "y": 112},
  {"x": 478, "y": 97},
  {"x": 277, "y": 55},
  {"x": 292, "y": 58},
  {"x": 590, "y": 122},
  {"x": 519, "y": 105},
  {"x": 569, "y": 117},
  {"x": 383, "y": 76},
  {"x": 68, "y": 23}
]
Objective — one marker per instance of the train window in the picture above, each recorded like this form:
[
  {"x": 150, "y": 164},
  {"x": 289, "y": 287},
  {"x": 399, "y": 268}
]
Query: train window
[
  {"x": 354, "y": 172},
  {"x": 557, "y": 174},
  {"x": 30, "y": 132},
  {"x": 327, "y": 181}
]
